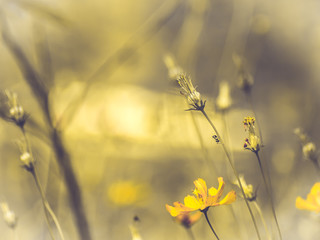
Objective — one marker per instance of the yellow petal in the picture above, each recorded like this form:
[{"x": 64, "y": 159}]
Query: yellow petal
[
  {"x": 315, "y": 190},
  {"x": 215, "y": 194},
  {"x": 192, "y": 203},
  {"x": 201, "y": 188},
  {"x": 195, "y": 217},
  {"x": 306, "y": 205},
  {"x": 212, "y": 191},
  {"x": 172, "y": 210},
  {"x": 230, "y": 198}
]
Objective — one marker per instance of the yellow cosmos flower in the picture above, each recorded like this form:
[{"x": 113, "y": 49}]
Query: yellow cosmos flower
[
  {"x": 203, "y": 199},
  {"x": 312, "y": 203}
]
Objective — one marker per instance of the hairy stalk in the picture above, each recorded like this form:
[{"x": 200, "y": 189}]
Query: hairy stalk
[
  {"x": 234, "y": 171},
  {"x": 262, "y": 219},
  {"x": 206, "y": 215},
  {"x": 269, "y": 194},
  {"x": 190, "y": 234},
  {"x": 46, "y": 205}
]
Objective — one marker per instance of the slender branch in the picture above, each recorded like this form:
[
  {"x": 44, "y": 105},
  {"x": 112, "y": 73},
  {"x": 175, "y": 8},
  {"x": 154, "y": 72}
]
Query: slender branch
[
  {"x": 234, "y": 171},
  {"x": 269, "y": 194},
  {"x": 206, "y": 215}
]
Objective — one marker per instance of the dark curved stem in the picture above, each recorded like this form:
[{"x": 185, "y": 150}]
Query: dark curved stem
[
  {"x": 206, "y": 215},
  {"x": 269, "y": 193}
]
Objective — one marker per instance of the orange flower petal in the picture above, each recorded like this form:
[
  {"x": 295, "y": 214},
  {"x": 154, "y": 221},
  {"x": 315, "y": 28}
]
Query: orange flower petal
[
  {"x": 192, "y": 203},
  {"x": 306, "y": 205},
  {"x": 230, "y": 198},
  {"x": 201, "y": 188},
  {"x": 172, "y": 210},
  {"x": 215, "y": 194}
]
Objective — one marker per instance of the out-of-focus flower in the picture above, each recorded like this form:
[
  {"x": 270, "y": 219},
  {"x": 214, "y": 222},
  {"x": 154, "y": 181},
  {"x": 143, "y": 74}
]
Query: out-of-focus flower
[
  {"x": 247, "y": 188},
  {"x": 10, "y": 108},
  {"x": 251, "y": 143},
  {"x": 188, "y": 219},
  {"x": 126, "y": 193},
  {"x": 308, "y": 147},
  {"x": 312, "y": 203},
  {"x": 8, "y": 215},
  {"x": 203, "y": 199},
  {"x": 245, "y": 79},
  {"x": 224, "y": 100}
]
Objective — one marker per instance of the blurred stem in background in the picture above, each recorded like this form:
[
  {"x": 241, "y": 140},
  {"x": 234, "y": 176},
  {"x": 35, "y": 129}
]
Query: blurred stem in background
[
  {"x": 41, "y": 91},
  {"x": 30, "y": 167},
  {"x": 190, "y": 234},
  {"x": 252, "y": 198},
  {"x": 269, "y": 192},
  {"x": 12, "y": 111},
  {"x": 256, "y": 205}
]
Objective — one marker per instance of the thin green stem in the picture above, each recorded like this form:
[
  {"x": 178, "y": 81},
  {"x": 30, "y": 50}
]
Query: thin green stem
[
  {"x": 262, "y": 219},
  {"x": 206, "y": 215},
  {"x": 269, "y": 193},
  {"x": 234, "y": 171}
]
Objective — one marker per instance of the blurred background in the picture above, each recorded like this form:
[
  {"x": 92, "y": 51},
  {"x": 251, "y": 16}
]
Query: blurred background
[{"x": 133, "y": 146}]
